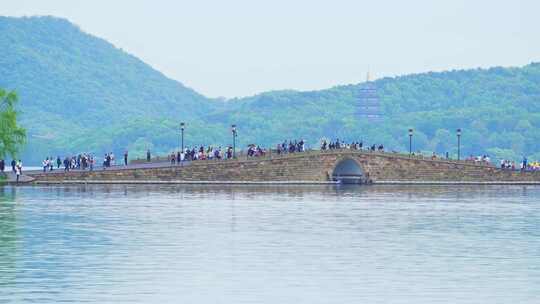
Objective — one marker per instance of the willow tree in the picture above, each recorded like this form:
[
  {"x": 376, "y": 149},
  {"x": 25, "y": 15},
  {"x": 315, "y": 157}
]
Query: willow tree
[{"x": 12, "y": 136}]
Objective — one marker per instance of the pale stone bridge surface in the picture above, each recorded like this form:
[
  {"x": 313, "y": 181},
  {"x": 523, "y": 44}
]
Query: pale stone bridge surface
[{"x": 304, "y": 167}]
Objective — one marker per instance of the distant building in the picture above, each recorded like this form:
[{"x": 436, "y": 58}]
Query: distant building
[{"x": 368, "y": 107}]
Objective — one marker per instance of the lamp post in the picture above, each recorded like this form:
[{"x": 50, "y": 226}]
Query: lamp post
[
  {"x": 182, "y": 127},
  {"x": 458, "y": 132},
  {"x": 410, "y": 141},
  {"x": 233, "y": 130}
]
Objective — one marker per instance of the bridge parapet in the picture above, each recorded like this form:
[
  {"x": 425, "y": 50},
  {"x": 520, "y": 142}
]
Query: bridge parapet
[{"x": 272, "y": 154}]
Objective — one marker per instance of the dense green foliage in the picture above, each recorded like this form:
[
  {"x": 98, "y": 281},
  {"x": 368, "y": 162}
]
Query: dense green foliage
[
  {"x": 80, "y": 93},
  {"x": 498, "y": 110},
  {"x": 12, "y": 136}
]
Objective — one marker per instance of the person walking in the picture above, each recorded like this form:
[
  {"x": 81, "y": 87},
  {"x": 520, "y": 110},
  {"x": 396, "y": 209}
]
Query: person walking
[
  {"x": 2, "y": 165},
  {"x": 13, "y": 164},
  {"x": 67, "y": 164},
  {"x": 18, "y": 170},
  {"x": 125, "y": 158},
  {"x": 148, "y": 156}
]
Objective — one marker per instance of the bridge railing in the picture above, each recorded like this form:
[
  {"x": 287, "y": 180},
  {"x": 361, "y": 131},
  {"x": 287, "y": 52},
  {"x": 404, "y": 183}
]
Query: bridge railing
[{"x": 274, "y": 154}]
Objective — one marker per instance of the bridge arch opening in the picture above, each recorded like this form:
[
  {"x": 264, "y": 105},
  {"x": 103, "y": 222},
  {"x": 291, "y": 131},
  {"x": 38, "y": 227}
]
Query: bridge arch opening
[{"x": 348, "y": 171}]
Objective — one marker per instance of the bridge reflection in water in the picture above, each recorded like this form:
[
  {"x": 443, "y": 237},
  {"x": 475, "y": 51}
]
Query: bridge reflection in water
[{"x": 348, "y": 171}]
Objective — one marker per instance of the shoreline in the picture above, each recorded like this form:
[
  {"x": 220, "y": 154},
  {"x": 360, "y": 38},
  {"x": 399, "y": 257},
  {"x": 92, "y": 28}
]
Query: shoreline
[{"x": 183, "y": 182}]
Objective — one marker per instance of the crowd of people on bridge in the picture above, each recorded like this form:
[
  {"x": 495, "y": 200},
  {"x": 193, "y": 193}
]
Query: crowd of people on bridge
[
  {"x": 81, "y": 161},
  {"x": 333, "y": 145},
  {"x": 86, "y": 161},
  {"x": 508, "y": 164},
  {"x": 532, "y": 166},
  {"x": 479, "y": 159},
  {"x": 255, "y": 151},
  {"x": 212, "y": 153},
  {"x": 291, "y": 146},
  {"x": 200, "y": 153}
]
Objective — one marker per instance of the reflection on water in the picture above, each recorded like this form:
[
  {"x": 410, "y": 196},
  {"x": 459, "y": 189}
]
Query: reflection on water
[
  {"x": 8, "y": 236},
  {"x": 270, "y": 244}
]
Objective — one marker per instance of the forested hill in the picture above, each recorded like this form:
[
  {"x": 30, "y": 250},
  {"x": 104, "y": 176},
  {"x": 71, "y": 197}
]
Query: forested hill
[
  {"x": 80, "y": 93},
  {"x": 498, "y": 110},
  {"x": 77, "y": 90}
]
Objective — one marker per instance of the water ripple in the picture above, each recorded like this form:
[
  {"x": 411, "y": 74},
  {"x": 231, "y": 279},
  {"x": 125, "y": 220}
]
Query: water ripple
[{"x": 301, "y": 244}]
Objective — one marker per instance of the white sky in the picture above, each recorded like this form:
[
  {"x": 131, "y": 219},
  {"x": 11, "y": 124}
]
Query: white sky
[{"x": 242, "y": 47}]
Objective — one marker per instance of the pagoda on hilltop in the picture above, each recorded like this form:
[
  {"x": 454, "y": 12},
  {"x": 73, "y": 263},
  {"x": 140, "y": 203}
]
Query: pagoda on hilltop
[{"x": 368, "y": 107}]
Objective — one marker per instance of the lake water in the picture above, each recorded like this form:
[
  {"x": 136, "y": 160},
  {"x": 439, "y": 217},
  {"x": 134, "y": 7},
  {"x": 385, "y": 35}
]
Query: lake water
[{"x": 286, "y": 244}]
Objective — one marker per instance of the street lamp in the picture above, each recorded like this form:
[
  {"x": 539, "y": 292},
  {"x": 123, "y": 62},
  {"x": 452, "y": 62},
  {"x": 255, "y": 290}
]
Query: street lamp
[
  {"x": 458, "y": 131},
  {"x": 182, "y": 127},
  {"x": 410, "y": 141},
  {"x": 233, "y": 130}
]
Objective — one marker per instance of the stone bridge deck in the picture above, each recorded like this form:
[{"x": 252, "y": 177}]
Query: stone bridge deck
[{"x": 305, "y": 167}]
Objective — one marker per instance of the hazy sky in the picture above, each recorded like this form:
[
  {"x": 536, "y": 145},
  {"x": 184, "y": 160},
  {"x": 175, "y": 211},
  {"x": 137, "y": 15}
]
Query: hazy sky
[{"x": 237, "y": 48}]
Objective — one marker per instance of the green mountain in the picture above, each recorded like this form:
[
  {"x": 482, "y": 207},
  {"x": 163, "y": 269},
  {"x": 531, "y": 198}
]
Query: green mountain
[
  {"x": 80, "y": 93},
  {"x": 498, "y": 110}
]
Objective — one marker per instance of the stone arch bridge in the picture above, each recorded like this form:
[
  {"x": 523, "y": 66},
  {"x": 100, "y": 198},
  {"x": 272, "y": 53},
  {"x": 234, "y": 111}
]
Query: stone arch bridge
[{"x": 350, "y": 166}]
